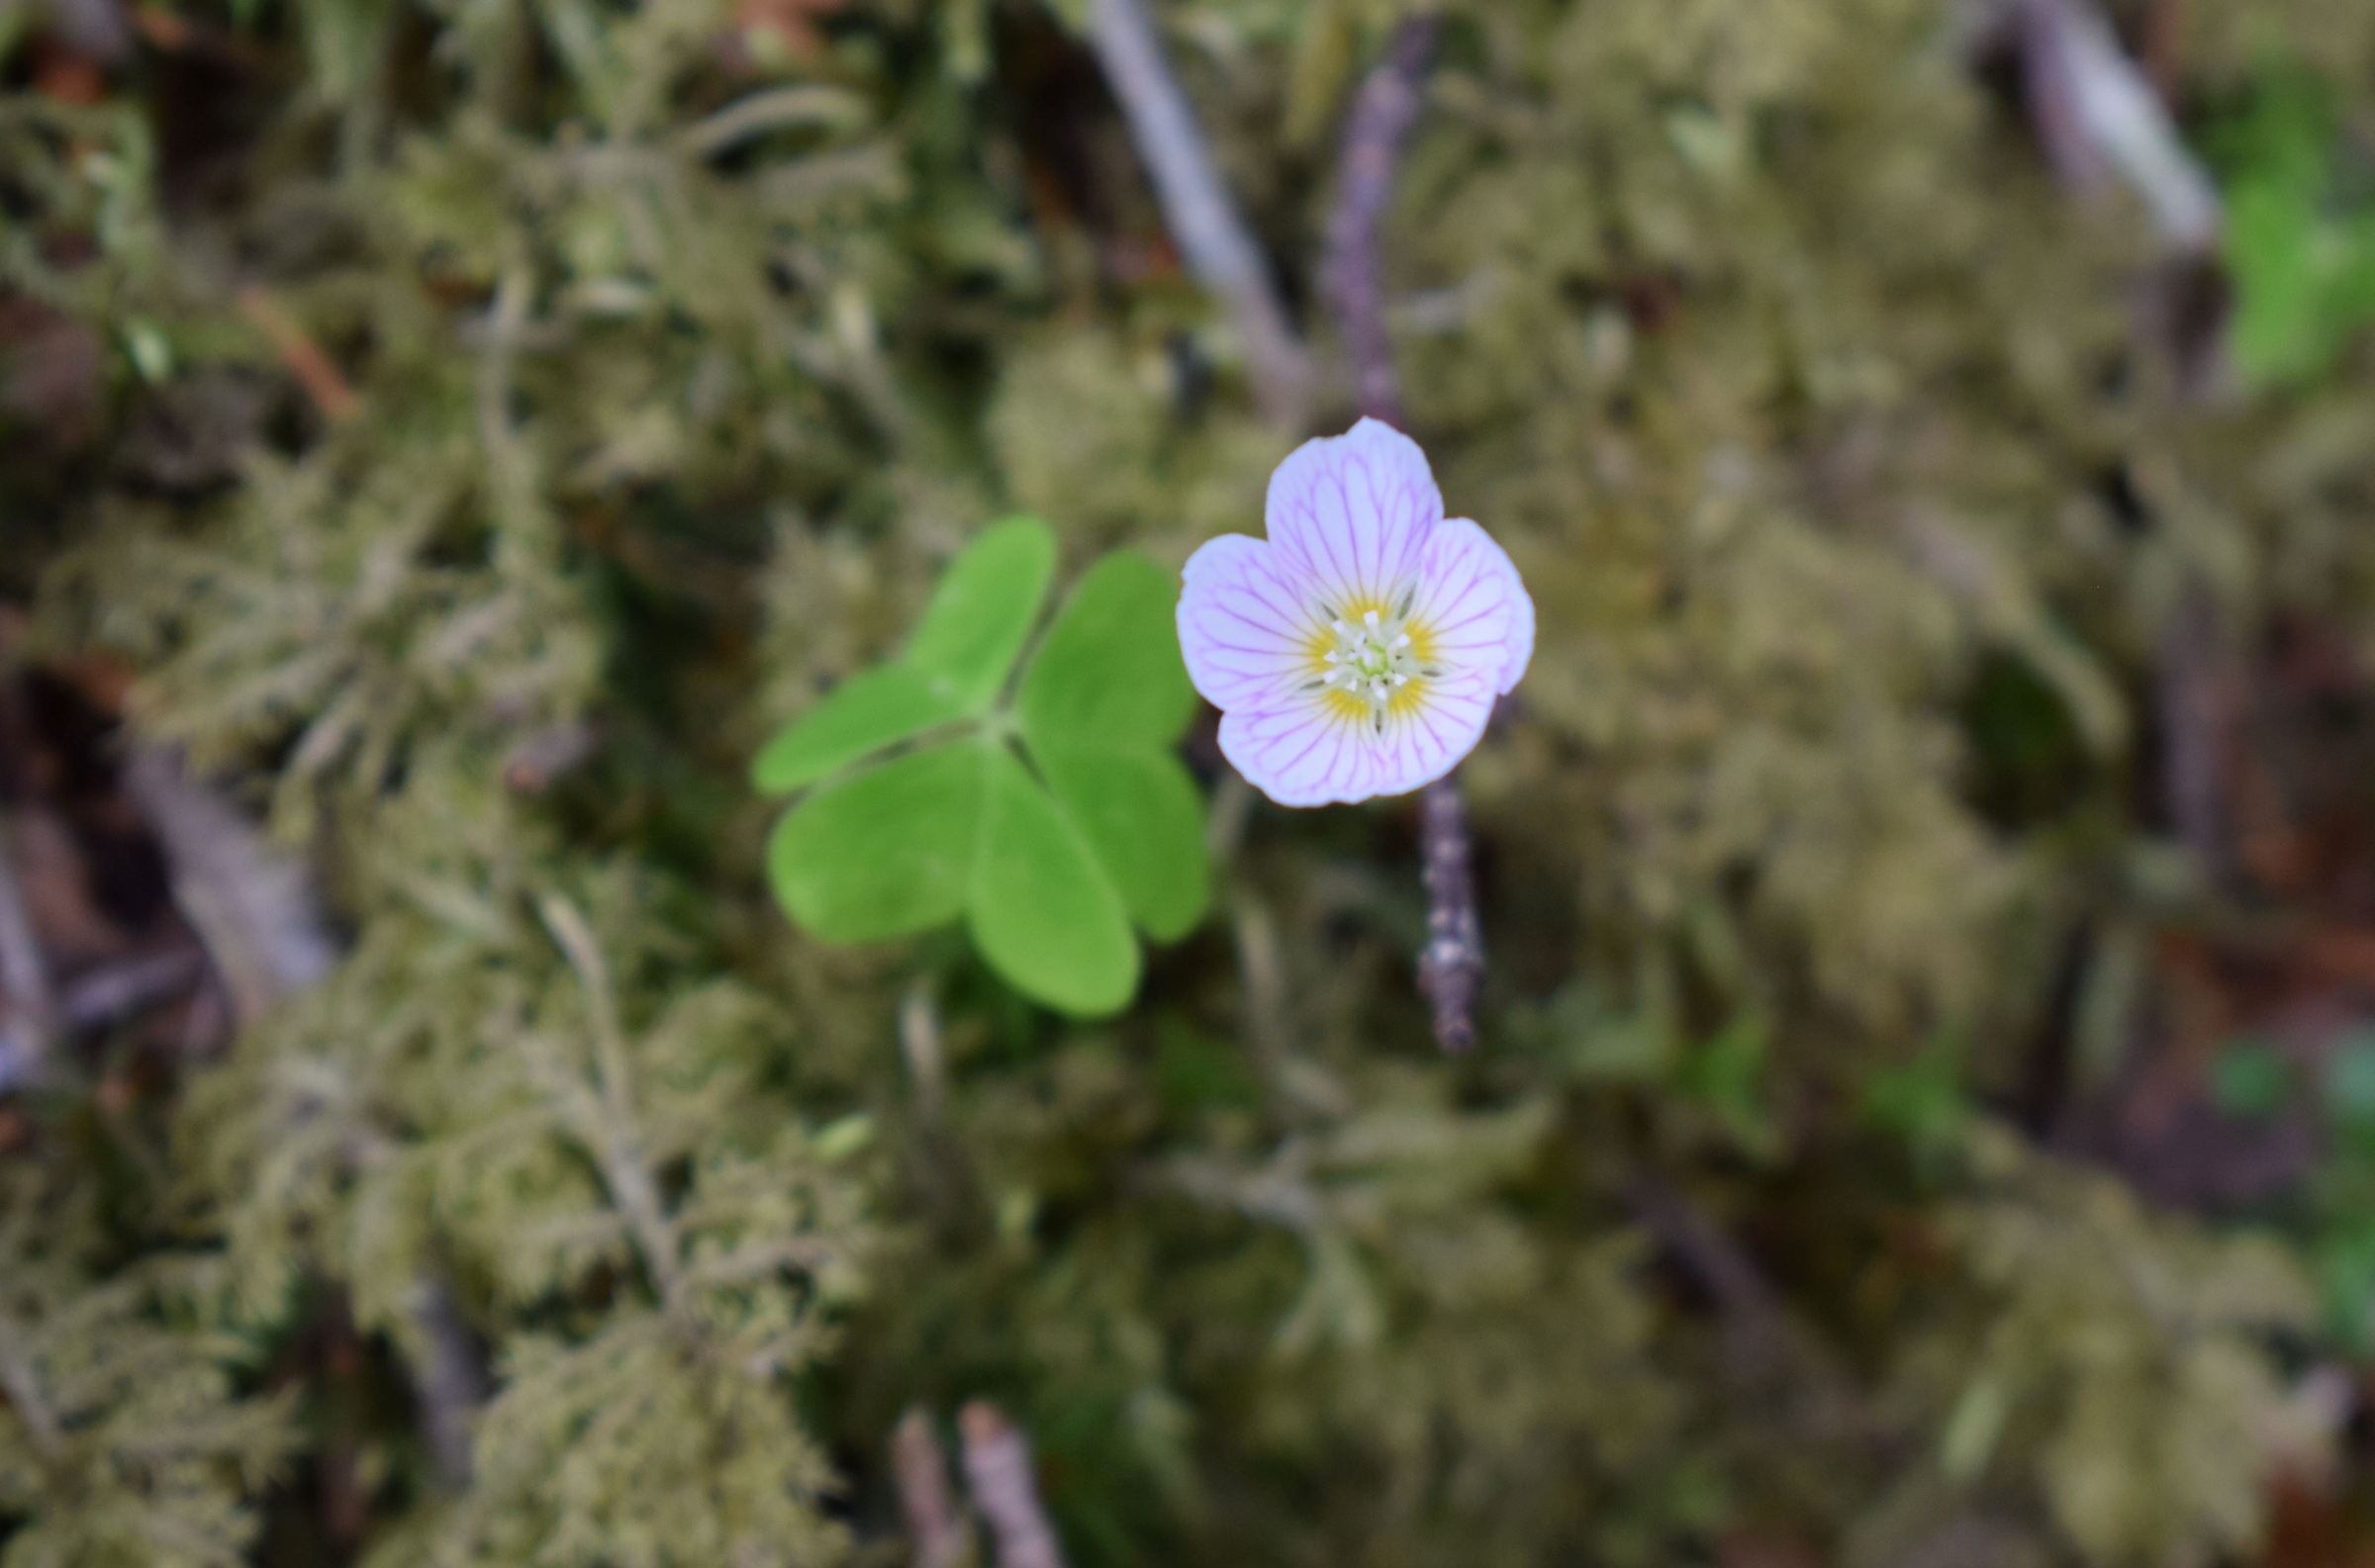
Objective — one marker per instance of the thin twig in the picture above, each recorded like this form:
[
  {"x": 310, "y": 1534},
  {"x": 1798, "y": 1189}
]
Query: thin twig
[
  {"x": 22, "y": 1389},
  {"x": 942, "y": 1167},
  {"x": 508, "y": 471},
  {"x": 2096, "y": 109},
  {"x": 451, "y": 1380},
  {"x": 545, "y": 755},
  {"x": 314, "y": 369},
  {"x": 1754, "y": 1323},
  {"x": 1266, "y": 1000},
  {"x": 2195, "y": 722},
  {"x": 776, "y": 109},
  {"x": 1196, "y": 206},
  {"x": 619, "y": 1151},
  {"x": 919, "y": 1046},
  {"x": 1451, "y": 969},
  {"x": 118, "y": 990},
  {"x": 24, "y": 976},
  {"x": 997, "y": 1467},
  {"x": 1765, "y": 1350},
  {"x": 1224, "y": 826},
  {"x": 255, "y": 913},
  {"x": 2097, "y": 112},
  {"x": 936, "y": 1528},
  {"x": 1383, "y": 113}
]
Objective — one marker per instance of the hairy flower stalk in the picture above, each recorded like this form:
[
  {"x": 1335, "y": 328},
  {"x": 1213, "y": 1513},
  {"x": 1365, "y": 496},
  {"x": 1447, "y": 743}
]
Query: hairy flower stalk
[{"x": 1356, "y": 651}]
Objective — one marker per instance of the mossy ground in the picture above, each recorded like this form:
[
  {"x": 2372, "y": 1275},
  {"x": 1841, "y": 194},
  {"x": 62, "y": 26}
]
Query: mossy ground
[{"x": 398, "y": 387}]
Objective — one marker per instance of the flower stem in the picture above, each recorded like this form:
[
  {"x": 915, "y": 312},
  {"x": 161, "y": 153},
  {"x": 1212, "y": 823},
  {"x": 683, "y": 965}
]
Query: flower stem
[{"x": 1452, "y": 968}]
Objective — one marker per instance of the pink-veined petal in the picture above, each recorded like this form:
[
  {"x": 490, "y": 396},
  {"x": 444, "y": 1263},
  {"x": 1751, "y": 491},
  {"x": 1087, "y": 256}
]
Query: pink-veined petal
[
  {"x": 1459, "y": 536},
  {"x": 1304, "y": 750},
  {"x": 1429, "y": 738},
  {"x": 1356, "y": 526},
  {"x": 1470, "y": 605},
  {"x": 1245, "y": 624},
  {"x": 1300, "y": 752},
  {"x": 1355, "y": 510}
]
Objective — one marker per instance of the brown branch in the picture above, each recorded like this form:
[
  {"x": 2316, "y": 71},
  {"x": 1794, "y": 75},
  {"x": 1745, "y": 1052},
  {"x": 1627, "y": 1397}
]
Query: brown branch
[
  {"x": 1452, "y": 968},
  {"x": 997, "y": 1467},
  {"x": 305, "y": 358},
  {"x": 936, "y": 1528},
  {"x": 1196, "y": 206}
]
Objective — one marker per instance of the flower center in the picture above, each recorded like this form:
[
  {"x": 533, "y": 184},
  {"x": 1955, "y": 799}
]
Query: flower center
[{"x": 1373, "y": 657}]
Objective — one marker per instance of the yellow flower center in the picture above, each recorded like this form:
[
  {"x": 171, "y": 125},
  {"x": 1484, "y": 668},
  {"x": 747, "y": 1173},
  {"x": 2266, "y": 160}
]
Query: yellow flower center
[{"x": 1370, "y": 659}]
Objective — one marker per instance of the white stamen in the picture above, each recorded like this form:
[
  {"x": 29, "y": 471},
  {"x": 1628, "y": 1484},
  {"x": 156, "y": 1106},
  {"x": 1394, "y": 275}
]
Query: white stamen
[{"x": 1376, "y": 660}]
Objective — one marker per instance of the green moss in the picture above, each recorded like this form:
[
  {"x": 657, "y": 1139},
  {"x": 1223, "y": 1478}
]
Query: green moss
[{"x": 1812, "y": 413}]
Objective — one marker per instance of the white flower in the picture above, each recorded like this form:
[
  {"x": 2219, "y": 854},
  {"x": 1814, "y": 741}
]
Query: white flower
[{"x": 1358, "y": 649}]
